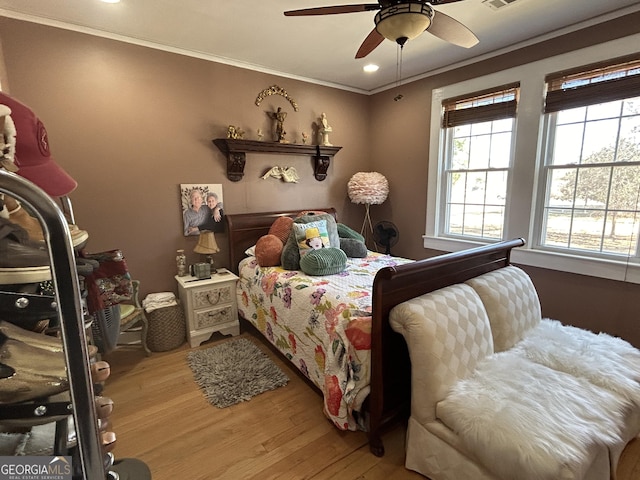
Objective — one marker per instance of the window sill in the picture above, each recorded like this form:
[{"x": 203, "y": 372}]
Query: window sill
[{"x": 612, "y": 270}]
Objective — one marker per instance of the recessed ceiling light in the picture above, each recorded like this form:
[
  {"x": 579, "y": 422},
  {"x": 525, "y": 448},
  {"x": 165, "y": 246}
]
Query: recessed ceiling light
[
  {"x": 110, "y": 1},
  {"x": 370, "y": 68}
]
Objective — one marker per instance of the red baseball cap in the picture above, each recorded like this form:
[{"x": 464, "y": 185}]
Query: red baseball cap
[{"x": 33, "y": 157}]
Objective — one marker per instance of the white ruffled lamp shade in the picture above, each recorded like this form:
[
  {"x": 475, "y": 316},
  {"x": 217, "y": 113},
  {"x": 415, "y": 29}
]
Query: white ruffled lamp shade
[{"x": 370, "y": 188}]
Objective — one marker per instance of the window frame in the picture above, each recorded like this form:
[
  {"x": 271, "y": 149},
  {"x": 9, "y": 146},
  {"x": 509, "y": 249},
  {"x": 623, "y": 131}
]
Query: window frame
[
  {"x": 528, "y": 150},
  {"x": 446, "y": 194}
]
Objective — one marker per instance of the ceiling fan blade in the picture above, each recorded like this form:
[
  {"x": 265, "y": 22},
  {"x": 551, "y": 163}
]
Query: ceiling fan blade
[
  {"x": 451, "y": 30},
  {"x": 370, "y": 43},
  {"x": 335, "y": 9}
]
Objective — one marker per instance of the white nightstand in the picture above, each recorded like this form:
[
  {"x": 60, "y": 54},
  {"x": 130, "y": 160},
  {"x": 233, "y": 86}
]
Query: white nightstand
[{"x": 209, "y": 305}]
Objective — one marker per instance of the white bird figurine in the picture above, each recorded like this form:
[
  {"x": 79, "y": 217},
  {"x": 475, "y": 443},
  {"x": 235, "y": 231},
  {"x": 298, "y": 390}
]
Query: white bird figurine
[{"x": 288, "y": 174}]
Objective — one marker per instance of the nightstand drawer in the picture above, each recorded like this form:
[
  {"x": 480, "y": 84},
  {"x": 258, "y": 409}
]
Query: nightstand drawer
[
  {"x": 211, "y": 296},
  {"x": 213, "y": 316}
]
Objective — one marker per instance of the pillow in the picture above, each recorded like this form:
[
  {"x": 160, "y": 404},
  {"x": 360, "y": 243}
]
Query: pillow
[
  {"x": 332, "y": 226},
  {"x": 347, "y": 232},
  {"x": 290, "y": 259},
  {"x": 268, "y": 251},
  {"x": 281, "y": 228},
  {"x": 353, "y": 247},
  {"x": 326, "y": 261},
  {"x": 311, "y": 236}
]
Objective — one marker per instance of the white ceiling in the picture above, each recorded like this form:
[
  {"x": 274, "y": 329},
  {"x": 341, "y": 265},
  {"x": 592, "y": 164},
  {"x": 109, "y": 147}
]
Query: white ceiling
[{"x": 255, "y": 34}]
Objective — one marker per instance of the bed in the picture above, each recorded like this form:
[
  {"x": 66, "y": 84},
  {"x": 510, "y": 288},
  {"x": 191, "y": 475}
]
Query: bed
[{"x": 373, "y": 389}]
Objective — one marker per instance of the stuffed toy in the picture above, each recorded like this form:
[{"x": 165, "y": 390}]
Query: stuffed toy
[
  {"x": 351, "y": 242},
  {"x": 353, "y": 248},
  {"x": 287, "y": 252}
]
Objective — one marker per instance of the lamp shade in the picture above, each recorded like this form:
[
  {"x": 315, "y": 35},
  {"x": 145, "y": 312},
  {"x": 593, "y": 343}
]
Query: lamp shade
[
  {"x": 404, "y": 21},
  {"x": 370, "y": 188},
  {"x": 206, "y": 243}
]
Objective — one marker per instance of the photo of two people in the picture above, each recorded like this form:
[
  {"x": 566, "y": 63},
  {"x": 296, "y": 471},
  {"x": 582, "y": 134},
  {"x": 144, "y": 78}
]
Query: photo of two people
[{"x": 202, "y": 208}]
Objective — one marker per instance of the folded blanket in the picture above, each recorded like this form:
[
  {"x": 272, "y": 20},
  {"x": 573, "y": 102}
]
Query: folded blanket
[{"x": 154, "y": 301}]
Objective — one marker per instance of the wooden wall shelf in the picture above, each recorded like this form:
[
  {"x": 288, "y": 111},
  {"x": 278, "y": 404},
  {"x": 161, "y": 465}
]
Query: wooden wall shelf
[{"x": 236, "y": 151}]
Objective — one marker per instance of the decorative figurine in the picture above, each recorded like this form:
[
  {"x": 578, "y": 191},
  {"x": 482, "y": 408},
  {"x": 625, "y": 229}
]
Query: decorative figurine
[
  {"x": 279, "y": 117},
  {"x": 260, "y": 134},
  {"x": 287, "y": 174},
  {"x": 324, "y": 129},
  {"x": 181, "y": 263},
  {"x": 305, "y": 137},
  {"x": 235, "y": 133}
]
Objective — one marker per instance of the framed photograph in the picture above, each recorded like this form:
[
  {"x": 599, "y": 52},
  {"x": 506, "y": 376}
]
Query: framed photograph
[{"x": 202, "y": 208}]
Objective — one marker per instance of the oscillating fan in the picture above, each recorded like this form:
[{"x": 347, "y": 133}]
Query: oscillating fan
[{"x": 386, "y": 235}]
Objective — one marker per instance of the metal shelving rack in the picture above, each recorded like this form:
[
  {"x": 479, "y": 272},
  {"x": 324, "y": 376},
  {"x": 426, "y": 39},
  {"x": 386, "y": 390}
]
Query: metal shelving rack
[{"x": 66, "y": 286}]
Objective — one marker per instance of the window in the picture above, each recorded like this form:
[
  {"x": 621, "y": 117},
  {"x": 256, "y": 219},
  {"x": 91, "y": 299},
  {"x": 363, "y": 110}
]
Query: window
[
  {"x": 561, "y": 169},
  {"x": 591, "y": 171},
  {"x": 478, "y": 132}
]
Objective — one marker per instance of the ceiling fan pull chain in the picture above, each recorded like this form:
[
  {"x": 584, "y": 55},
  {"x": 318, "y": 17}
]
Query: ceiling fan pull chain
[{"x": 399, "y": 71}]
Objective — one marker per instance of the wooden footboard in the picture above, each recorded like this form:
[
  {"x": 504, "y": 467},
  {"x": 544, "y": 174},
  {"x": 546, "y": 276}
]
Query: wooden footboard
[
  {"x": 390, "y": 393},
  {"x": 390, "y": 365}
]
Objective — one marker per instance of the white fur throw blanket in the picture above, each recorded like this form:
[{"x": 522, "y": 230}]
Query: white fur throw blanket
[
  {"x": 606, "y": 361},
  {"x": 524, "y": 420}
]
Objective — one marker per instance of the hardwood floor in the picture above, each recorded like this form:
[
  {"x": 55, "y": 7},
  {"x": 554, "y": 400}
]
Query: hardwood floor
[{"x": 161, "y": 417}]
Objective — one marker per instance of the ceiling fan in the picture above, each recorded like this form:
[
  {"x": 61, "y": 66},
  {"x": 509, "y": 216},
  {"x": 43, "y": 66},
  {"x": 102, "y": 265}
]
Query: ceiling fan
[{"x": 400, "y": 21}]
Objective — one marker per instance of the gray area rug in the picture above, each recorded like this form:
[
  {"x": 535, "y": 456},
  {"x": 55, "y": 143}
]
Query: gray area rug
[{"x": 234, "y": 372}]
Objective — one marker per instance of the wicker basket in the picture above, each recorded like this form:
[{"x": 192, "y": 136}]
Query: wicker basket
[{"x": 167, "y": 329}]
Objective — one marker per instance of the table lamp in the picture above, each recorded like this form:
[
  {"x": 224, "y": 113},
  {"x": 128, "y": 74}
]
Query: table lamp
[{"x": 207, "y": 246}]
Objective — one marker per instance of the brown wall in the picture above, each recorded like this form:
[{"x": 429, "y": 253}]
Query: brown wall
[
  {"x": 132, "y": 123},
  {"x": 400, "y": 146}
]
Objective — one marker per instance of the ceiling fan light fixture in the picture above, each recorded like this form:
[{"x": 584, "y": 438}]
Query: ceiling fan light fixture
[{"x": 404, "y": 21}]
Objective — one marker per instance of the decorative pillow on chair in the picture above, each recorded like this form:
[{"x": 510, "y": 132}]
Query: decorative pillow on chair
[
  {"x": 326, "y": 261},
  {"x": 311, "y": 236}
]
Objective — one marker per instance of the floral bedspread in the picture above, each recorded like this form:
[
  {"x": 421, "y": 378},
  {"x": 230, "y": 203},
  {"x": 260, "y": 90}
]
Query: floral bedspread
[{"x": 322, "y": 324}]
